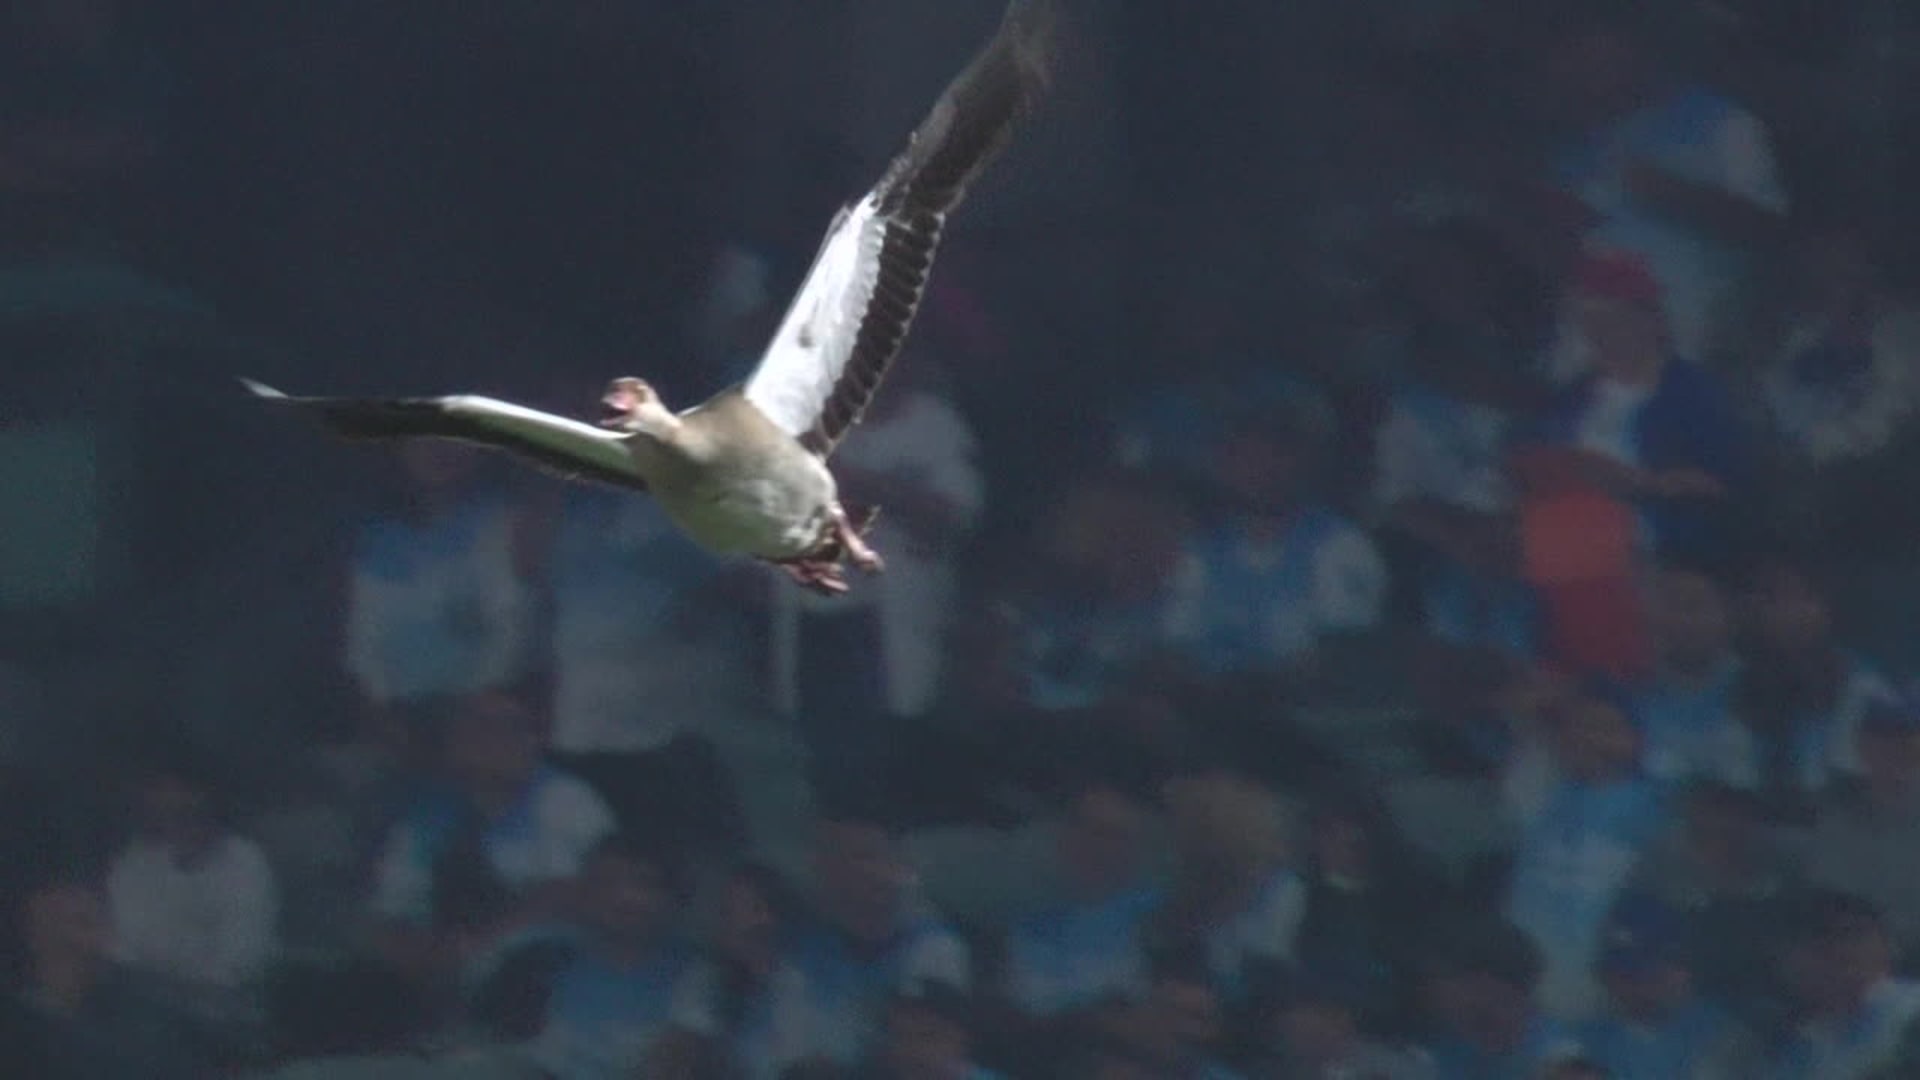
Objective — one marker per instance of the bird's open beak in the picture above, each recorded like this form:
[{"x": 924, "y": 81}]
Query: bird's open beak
[{"x": 620, "y": 404}]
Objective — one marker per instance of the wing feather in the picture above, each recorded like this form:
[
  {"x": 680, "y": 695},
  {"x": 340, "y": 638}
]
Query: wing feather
[
  {"x": 852, "y": 313},
  {"x": 558, "y": 444}
]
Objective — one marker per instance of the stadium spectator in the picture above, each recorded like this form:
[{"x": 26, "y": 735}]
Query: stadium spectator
[
  {"x": 1802, "y": 694},
  {"x": 194, "y": 905},
  {"x": 1581, "y": 837},
  {"x": 929, "y": 1036},
  {"x": 871, "y": 933},
  {"x": 1067, "y": 966},
  {"x": 746, "y": 996},
  {"x": 78, "y": 1015},
  {"x": 1480, "y": 990},
  {"x": 1668, "y": 168},
  {"x": 1260, "y": 590},
  {"x": 1178, "y": 1028},
  {"x": 643, "y": 672},
  {"x": 436, "y": 606},
  {"x": 1236, "y": 889},
  {"x": 1309, "y": 1025},
  {"x": 613, "y": 998},
  {"x": 1686, "y": 705},
  {"x": 1656, "y": 1023},
  {"x": 1369, "y": 899},
  {"x": 496, "y": 849},
  {"x": 1074, "y": 650},
  {"x": 1855, "y": 1016},
  {"x": 1866, "y": 828}
]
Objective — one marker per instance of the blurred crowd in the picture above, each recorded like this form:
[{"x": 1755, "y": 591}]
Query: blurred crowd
[{"x": 1504, "y": 678}]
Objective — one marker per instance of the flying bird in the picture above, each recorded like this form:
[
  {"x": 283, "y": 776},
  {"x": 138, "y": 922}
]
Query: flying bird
[{"x": 745, "y": 472}]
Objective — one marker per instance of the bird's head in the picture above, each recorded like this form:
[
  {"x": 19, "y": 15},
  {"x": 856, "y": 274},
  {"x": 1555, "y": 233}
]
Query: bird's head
[{"x": 634, "y": 407}]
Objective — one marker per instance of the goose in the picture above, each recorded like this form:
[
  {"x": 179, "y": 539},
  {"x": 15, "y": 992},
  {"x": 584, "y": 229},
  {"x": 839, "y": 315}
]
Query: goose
[{"x": 745, "y": 472}]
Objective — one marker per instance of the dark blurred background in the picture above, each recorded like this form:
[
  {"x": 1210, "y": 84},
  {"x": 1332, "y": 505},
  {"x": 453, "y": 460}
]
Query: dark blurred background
[{"x": 1402, "y": 550}]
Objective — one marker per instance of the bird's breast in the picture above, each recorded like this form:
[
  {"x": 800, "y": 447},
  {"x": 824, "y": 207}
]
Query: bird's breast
[{"x": 773, "y": 510}]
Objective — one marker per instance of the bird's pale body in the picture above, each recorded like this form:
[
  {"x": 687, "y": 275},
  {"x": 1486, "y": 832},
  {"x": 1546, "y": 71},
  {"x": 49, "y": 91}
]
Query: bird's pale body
[{"x": 765, "y": 496}]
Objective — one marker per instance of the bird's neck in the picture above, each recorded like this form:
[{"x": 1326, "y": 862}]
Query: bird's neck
[{"x": 666, "y": 460}]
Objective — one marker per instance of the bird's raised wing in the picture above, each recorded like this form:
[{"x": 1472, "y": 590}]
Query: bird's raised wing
[
  {"x": 852, "y": 313},
  {"x": 568, "y": 447}
]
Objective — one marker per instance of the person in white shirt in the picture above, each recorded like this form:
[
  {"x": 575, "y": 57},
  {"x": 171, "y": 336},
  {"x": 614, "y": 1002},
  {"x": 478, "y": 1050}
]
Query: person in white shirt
[
  {"x": 436, "y": 607},
  {"x": 192, "y": 901}
]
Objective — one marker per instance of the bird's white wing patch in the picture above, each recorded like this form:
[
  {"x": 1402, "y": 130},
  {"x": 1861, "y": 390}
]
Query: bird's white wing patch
[
  {"x": 564, "y": 436},
  {"x": 803, "y": 364}
]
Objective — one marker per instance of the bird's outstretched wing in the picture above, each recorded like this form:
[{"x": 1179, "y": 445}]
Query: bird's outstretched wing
[
  {"x": 567, "y": 447},
  {"x": 852, "y": 313}
]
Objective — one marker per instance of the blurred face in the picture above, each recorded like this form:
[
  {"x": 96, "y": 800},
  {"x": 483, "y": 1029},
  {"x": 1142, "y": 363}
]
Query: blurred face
[
  {"x": 748, "y": 923},
  {"x": 1341, "y": 847},
  {"x": 1690, "y": 619},
  {"x": 1628, "y": 339},
  {"x": 1316, "y": 1033},
  {"x": 1121, "y": 542},
  {"x": 1258, "y": 470},
  {"x": 1225, "y": 830},
  {"x": 1494, "y": 1012},
  {"x": 1789, "y": 613},
  {"x": 864, "y": 874},
  {"x": 1860, "y": 957},
  {"x": 177, "y": 815},
  {"x": 921, "y": 1042},
  {"x": 66, "y": 924},
  {"x": 627, "y": 898},
  {"x": 1081, "y": 530},
  {"x": 1446, "y": 997},
  {"x": 1100, "y": 843},
  {"x": 1594, "y": 740},
  {"x": 1188, "y": 1013},
  {"x": 1891, "y": 760}
]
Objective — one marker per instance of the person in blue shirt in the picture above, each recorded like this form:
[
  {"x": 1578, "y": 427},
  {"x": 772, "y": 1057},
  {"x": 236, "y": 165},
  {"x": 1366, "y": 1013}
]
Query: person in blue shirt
[
  {"x": 869, "y": 935},
  {"x": 745, "y": 996},
  {"x": 1686, "y": 705},
  {"x": 1803, "y": 693},
  {"x": 1656, "y": 1025},
  {"x": 1582, "y": 837},
  {"x": 1857, "y": 1019},
  {"x": 615, "y": 996},
  {"x": 1277, "y": 571},
  {"x": 1066, "y": 965},
  {"x": 1071, "y": 651}
]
